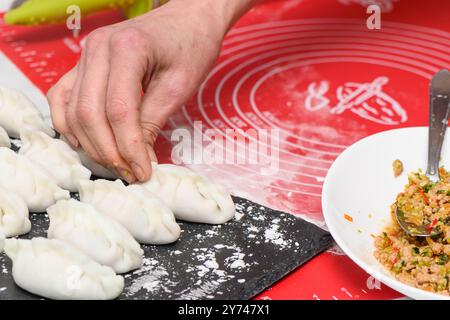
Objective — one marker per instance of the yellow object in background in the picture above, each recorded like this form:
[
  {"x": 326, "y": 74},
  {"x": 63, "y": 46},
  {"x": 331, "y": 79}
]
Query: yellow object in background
[
  {"x": 143, "y": 6},
  {"x": 34, "y": 12},
  {"x": 138, "y": 8}
]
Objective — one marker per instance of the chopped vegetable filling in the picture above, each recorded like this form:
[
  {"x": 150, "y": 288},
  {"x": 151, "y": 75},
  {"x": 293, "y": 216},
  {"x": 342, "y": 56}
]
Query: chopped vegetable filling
[{"x": 420, "y": 262}]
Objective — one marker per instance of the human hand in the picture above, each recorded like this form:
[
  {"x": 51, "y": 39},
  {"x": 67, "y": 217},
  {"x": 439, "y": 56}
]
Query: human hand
[{"x": 165, "y": 53}]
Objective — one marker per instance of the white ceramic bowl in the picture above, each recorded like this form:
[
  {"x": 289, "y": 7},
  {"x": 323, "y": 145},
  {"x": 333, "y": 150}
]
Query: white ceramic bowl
[{"x": 361, "y": 184}]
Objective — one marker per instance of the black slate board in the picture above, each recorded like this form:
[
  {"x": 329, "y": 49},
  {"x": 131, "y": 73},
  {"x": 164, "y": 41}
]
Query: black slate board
[
  {"x": 236, "y": 260},
  {"x": 251, "y": 254}
]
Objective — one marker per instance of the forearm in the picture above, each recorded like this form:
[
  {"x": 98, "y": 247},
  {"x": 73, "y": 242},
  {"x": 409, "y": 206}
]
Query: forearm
[{"x": 230, "y": 10}]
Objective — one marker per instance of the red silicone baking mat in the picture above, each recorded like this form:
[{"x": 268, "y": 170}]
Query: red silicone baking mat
[{"x": 310, "y": 68}]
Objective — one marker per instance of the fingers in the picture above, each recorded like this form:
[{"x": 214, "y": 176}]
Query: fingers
[
  {"x": 151, "y": 153},
  {"x": 104, "y": 112},
  {"x": 163, "y": 97},
  {"x": 91, "y": 112},
  {"x": 124, "y": 99},
  {"x": 58, "y": 98},
  {"x": 72, "y": 114}
]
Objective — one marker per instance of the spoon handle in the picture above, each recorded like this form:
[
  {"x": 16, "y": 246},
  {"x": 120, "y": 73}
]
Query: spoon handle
[{"x": 438, "y": 121}]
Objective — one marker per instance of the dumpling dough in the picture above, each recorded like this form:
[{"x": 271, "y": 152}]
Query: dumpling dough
[
  {"x": 96, "y": 169},
  {"x": 56, "y": 270},
  {"x": 4, "y": 139},
  {"x": 147, "y": 219},
  {"x": 100, "y": 237},
  {"x": 18, "y": 114},
  {"x": 30, "y": 182},
  {"x": 14, "y": 215},
  {"x": 2, "y": 241},
  {"x": 190, "y": 196},
  {"x": 56, "y": 158}
]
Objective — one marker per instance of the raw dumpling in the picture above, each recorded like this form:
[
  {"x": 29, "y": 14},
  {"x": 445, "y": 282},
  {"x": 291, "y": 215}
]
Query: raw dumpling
[
  {"x": 56, "y": 270},
  {"x": 30, "y": 182},
  {"x": 138, "y": 210},
  {"x": 2, "y": 241},
  {"x": 56, "y": 158},
  {"x": 4, "y": 139},
  {"x": 100, "y": 237},
  {"x": 14, "y": 215},
  {"x": 96, "y": 169},
  {"x": 190, "y": 196},
  {"x": 18, "y": 114}
]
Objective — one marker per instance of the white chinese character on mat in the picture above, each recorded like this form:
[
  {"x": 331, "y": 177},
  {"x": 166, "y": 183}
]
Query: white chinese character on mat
[{"x": 367, "y": 100}]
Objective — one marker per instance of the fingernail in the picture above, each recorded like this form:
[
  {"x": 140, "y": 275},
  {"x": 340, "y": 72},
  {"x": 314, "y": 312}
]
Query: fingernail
[
  {"x": 126, "y": 175},
  {"x": 72, "y": 140},
  {"x": 137, "y": 170}
]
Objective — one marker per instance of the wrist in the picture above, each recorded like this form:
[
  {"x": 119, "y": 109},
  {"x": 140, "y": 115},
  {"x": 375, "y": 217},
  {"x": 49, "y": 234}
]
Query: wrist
[{"x": 222, "y": 13}]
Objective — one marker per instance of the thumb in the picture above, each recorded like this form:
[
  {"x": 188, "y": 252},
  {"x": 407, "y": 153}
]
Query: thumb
[
  {"x": 151, "y": 131},
  {"x": 151, "y": 153},
  {"x": 160, "y": 101}
]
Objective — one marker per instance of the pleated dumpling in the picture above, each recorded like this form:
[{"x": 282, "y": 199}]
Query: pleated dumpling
[
  {"x": 4, "y": 139},
  {"x": 14, "y": 215},
  {"x": 56, "y": 158},
  {"x": 190, "y": 196},
  {"x": 96, "y": 169},
  {"x": 98, "y": 236},
  {"x": 18, "y": 174},
  {"x": 19, "y": 114},
  {"x": 54, "y": 269},
  {"x": 147, "y": 219}
]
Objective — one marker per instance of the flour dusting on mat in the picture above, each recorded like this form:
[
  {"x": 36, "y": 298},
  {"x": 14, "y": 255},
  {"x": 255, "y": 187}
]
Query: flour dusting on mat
[{"x": 218, "y": 260}]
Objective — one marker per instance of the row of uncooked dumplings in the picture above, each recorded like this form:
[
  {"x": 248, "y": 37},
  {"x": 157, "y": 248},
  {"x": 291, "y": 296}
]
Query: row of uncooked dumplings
[{"x": 90, "y": 240}]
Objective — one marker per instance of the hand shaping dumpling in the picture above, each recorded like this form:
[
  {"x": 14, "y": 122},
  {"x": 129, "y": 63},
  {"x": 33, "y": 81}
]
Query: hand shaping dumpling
[
  {"x": 100, "y": 237},
  {"x": 56, "y": 270},
  {"x": 56, "y": 158},
  {"x": 18, "y": 114},
  {"x": 141, "y": 213},
  {"x": 14, "y": 216},
  {"x": 190, "y": 196},
  {"x": 4, "y": 139},
  {"x": 30, "y": 182}
]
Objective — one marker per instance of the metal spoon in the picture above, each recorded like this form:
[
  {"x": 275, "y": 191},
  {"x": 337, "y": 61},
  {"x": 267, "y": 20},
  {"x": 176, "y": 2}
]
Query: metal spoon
[{"x": 438, "y": 121}]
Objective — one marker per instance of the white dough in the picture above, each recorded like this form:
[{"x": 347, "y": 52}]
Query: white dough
[
  {"x": 2, "y": 241},
  {"x": 4, "y": 139},
  {"x": 96, "y": 169},
  {"x": 138, "y": 210},
  {"x": 18, "y": 174},
  {"x": 19, "y": 114},
  {"x": 100, "y": 237},
  {"x": 56, "y": 158},
  {"x": 56, "y": 270},
  {"x": 190, "y": 196},
  {"x": 14, "y": 215}
]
